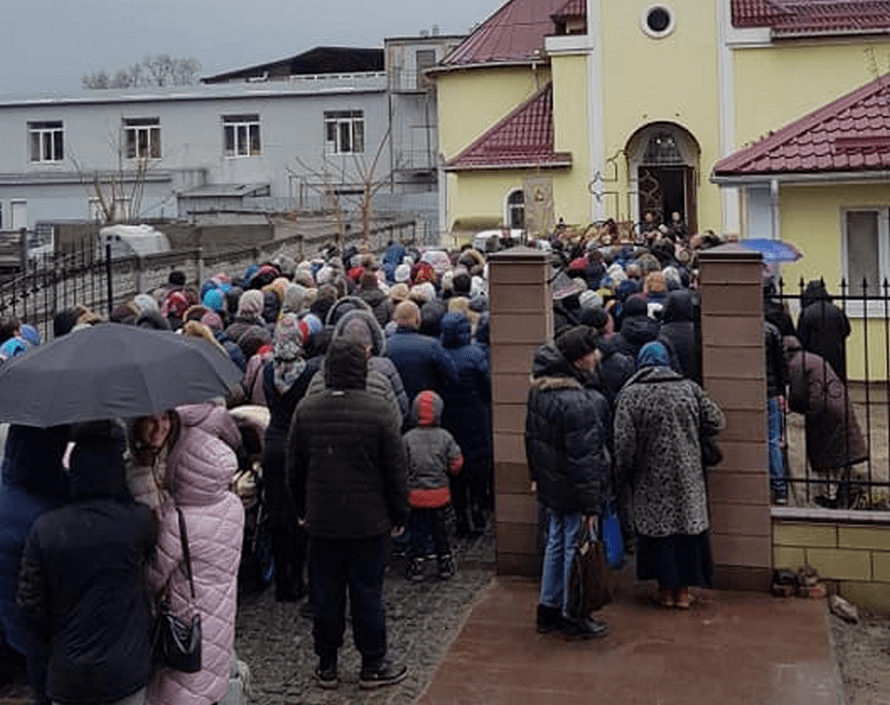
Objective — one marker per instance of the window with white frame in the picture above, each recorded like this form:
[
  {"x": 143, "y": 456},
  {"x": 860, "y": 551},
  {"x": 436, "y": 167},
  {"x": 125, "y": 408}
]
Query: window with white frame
[
  {"x": 344, "y": 131},
  {"x": 47, "y": 142},
  {"x": 142, "y": 138},
  {"x": 241, "y": 135},
  {"x": 866, "y": 249},
  {"x": 516, "y": 210}
]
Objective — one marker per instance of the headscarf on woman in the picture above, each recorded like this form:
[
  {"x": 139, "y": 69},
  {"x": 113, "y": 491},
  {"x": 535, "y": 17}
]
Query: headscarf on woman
[
  {"x": 287, "y": 351},
  {"x": 653, "y": 355}
]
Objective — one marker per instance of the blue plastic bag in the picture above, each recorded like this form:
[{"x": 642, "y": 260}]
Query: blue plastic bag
[{"x": 613, "y": 541}]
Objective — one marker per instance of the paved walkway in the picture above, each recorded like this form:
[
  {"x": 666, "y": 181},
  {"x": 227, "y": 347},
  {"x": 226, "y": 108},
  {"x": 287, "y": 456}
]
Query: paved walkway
[{"x": 730, "y": 648}]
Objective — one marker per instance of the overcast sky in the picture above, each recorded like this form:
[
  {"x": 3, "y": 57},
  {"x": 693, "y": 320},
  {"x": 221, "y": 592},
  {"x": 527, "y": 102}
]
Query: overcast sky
[{"x": 48, "y": 45}]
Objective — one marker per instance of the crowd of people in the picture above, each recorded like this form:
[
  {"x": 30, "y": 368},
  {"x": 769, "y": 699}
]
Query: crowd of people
[{"x": 376, "y": 377}]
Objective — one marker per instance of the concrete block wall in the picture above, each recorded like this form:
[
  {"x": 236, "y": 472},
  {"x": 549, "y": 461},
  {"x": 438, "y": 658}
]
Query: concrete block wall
[
  {"x": 521, "y": 320},
  {"x": 735, "y": 377},
  {"x": 853, "y": 558}
]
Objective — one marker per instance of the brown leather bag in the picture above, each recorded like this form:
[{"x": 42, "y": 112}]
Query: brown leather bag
[{"x": 588, "y": 581}]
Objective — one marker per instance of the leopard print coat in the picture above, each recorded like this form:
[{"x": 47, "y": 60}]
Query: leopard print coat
[{"x": 657, "y": 424}]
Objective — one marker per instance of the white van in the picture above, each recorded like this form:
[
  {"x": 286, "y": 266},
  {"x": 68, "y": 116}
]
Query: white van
[{"x": 130, "y": 240}]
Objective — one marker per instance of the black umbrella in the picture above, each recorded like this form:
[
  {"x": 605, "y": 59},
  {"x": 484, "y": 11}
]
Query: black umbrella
[{"x": 111, "y": 370}]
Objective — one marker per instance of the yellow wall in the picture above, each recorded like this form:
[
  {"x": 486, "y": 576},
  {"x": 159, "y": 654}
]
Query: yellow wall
[
  {"x": 673, "y": 79},
  {"x": 811, "y": 218},
  {"x": 571, "y": 197},
  {"x": 472, "y": 101},
  {"x": 777, "y": 85}
]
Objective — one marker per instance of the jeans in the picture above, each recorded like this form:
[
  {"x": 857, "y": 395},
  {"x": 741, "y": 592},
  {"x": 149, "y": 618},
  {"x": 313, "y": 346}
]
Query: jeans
[
  {"x": 357, "y": 565},
  {"x": 428, "y": 530},
  {"x": 562, "y": 535},
  {"x": 776, "y": 462}
]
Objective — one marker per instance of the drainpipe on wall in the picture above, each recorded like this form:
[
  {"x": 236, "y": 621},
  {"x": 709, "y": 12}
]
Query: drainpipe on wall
[{"x": 774, "y": 209}]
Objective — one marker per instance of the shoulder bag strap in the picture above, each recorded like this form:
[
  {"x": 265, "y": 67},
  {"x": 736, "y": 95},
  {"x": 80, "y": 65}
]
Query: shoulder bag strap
[{"x": 183, "y": 537}]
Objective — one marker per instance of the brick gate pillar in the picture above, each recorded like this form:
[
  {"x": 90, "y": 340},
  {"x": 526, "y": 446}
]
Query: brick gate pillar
[
  {"x": 734, "y": 367},
  {"x": 521, "y": 319}
]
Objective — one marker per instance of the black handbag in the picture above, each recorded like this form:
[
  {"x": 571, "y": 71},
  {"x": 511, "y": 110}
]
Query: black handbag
[{"x": 177, "y": 642}]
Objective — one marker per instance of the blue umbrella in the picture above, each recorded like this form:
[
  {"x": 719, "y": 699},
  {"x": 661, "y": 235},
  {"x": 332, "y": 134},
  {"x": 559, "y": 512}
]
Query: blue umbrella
[{"x": 773, "y": 251}]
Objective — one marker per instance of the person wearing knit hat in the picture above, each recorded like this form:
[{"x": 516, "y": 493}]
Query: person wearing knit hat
[
  {"x": 589, "y": 299},
  {"x": 566, "y": 432},
  {"x": 423, "y": 272},
  {"x": 212, "y": 320},
  {"x": 283, "y": 390},
  {"x": 214, "y": 300},
  {"x": 402, "y": 274},
  {"x": 145, "y": 302},
  {"x": 279, "y": 286},
  {"x": 576, "y": 343},
  {"x": 250, "y": 305},
  {"x": 30, "y": 335},
  {"x": 248, "y": 329}
]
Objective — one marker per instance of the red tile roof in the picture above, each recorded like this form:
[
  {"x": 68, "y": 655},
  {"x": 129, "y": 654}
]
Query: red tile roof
[
  {"x": 512, "y": 34},
  {"x": 523, "y": 139},
  {"x": 849, "y": 134},
  {"x": 573, "y": 8},
  {"x": 792, "y": 17}
]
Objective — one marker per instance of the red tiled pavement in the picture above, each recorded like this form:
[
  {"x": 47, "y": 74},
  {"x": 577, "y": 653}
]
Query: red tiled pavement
[{"x": 730, "y": 648}]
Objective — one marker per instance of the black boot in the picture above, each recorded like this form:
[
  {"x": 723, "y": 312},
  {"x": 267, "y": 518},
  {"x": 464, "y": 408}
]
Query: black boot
[{"x": 549, "y": 619}]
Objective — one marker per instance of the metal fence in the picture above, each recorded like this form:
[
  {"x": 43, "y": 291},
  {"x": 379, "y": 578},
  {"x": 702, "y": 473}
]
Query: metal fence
[
  {"x": 836, "y": 422},
  {"x": 74, "y": 275}
]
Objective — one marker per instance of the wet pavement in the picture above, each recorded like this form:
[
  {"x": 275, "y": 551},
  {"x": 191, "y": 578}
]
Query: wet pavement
[{"x": 739, "y": 648}]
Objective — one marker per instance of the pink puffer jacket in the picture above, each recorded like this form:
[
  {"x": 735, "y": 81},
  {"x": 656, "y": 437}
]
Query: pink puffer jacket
[{"x": 199, "y": 469}]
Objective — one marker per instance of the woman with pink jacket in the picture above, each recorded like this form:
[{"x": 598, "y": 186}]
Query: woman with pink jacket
[{"x": 200, "y": 468}]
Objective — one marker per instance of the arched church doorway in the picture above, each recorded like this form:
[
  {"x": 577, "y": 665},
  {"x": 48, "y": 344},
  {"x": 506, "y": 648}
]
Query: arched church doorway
[{"x": 663, "y": 165}]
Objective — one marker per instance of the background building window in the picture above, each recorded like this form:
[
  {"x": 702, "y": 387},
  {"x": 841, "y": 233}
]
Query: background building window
[
  {"x": 867, "y": 249},
  {"x": 344, "y": 131},
  {"x": 47, "y": 141},
  {"x": 241, "y": 135},
  {"x": 424, "y": 59},
  {"x": 516, "y": 210},
  {"x": 142, "y": 138}
]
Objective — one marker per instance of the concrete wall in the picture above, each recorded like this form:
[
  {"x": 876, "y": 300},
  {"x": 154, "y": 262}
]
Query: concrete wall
[
  {"x": 521, "y": 320},
  {"x": 851, "y": 555}
]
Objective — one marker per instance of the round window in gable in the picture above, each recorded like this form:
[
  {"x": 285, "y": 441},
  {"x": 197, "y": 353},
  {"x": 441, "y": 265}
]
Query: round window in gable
[{"x": 657, "y": 21}]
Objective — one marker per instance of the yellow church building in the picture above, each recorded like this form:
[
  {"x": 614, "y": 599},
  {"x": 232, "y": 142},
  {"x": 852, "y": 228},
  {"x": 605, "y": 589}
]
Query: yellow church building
[{"x": 593, "y": 109}]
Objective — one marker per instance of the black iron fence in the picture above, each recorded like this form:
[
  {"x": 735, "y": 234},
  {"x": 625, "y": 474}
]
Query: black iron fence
[
  {"x": 77, "y": 274},
  {"x": 836, "y": 425}
]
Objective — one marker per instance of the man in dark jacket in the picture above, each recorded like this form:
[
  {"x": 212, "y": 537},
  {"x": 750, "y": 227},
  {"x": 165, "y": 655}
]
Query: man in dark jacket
[
  {"x": 370, "y": 292},
  {"x": 81, "y": 590},
  {"x": 350, "y": 487},
  {"x": 823, "y": 328},
  {"x": 420, "y": 359},
  {"x": 637, "y": 328},
  {"x": 678, "y": 334},
  {"x": 565, "y": 444}
]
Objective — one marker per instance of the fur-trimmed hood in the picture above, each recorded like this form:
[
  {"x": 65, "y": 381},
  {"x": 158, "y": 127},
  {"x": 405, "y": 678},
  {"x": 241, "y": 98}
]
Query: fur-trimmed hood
[{"x": 550, "y": 370}]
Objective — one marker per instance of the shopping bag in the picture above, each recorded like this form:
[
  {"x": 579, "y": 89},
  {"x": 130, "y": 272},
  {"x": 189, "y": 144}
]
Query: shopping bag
[
  {"x": 588, "y": 580},
  {"x": 613, "y": 540}
]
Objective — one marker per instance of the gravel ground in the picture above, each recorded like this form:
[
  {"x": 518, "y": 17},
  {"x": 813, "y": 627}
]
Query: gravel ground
[
  {"x": 863, "y": 654},
  {"x": 423, "y": 619}
]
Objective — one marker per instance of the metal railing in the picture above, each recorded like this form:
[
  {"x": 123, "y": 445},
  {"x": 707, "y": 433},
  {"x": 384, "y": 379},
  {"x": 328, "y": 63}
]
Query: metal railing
[
  {"x": 74, "y": 275},
  {"x": 837, "y": 416}
]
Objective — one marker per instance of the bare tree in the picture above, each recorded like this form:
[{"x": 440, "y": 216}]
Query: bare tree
[
  {"x": 158, "y": 70},
  {"x": 336, "y": 178}
]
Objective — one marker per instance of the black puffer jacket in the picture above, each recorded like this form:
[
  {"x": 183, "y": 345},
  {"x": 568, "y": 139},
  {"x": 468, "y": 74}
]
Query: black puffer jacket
[
  {"x": 823, "y": 328},
  {"x": 613, "y": 370},
  {"x": 81, "y": 589},
  {"x": 637, "y": 328},
  {"x": 347, "y": 455},
  {"x": 678, "y": 334},
  {"x": 565, "y": 436}
]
